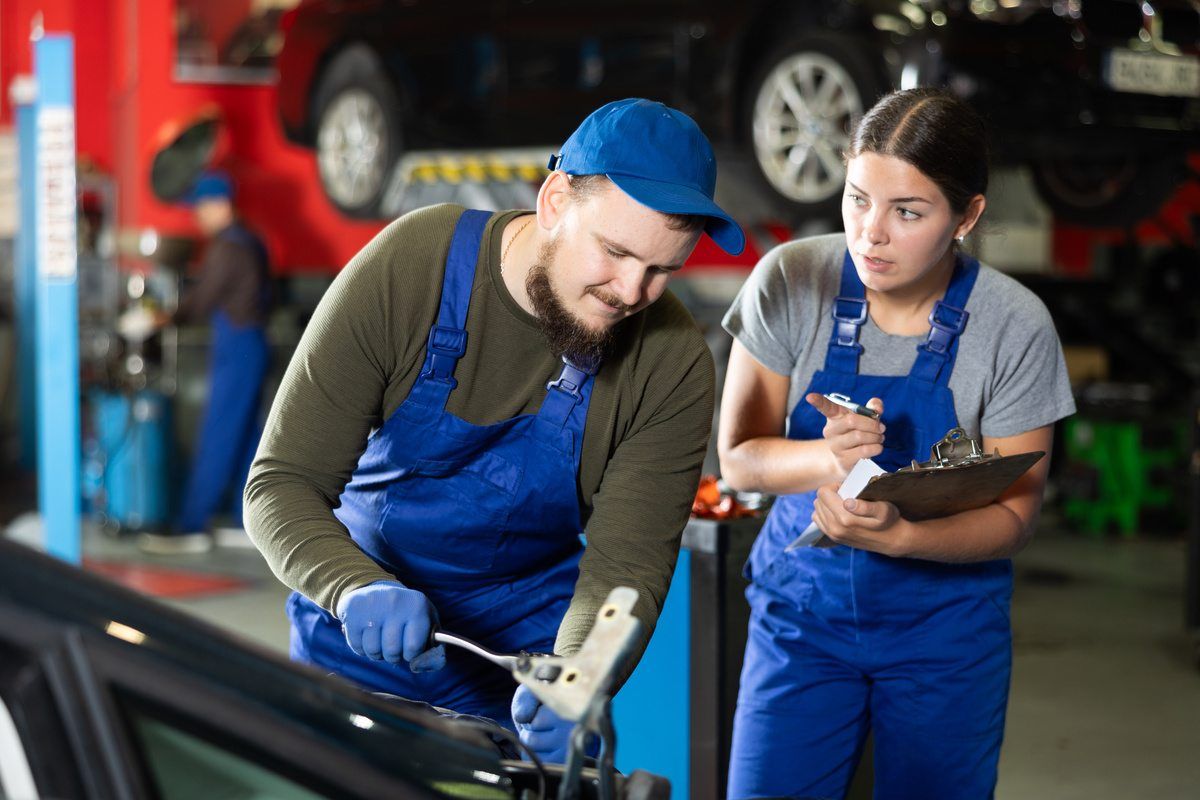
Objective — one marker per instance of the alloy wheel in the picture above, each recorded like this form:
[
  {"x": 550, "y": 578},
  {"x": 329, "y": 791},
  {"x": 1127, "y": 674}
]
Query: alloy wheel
[
  {"x": 352, "y": 152},
  {"x": 803, "y": 114}
]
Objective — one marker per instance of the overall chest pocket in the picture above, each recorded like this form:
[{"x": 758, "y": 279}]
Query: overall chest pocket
[
  {"x": 900, "y": 446},
  {"x": 454, "y": 510}
]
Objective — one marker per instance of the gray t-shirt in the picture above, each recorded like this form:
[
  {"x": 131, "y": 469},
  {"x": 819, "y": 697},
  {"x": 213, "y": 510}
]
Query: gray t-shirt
[{"x": 1009, "y": 376}]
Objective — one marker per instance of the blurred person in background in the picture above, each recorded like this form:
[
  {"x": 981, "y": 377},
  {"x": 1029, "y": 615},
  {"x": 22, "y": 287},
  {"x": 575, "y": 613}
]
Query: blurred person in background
[{"x": 232, "y": 294}]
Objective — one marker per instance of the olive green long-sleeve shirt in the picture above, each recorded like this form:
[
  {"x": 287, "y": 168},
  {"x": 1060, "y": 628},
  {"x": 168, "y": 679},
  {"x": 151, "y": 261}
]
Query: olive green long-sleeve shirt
[{"x": 647, "y": 424}]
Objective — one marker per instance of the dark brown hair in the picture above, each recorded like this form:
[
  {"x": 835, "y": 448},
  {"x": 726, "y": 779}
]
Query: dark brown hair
[
  {"x": 934, "y": 131},
  {"x": 584, "y": 186}
]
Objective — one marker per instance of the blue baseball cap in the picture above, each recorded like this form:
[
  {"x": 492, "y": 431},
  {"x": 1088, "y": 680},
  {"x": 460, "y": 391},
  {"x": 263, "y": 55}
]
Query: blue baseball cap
[
  {"x": 656, "y": 155},
  {"x": 213, "y": 184}
]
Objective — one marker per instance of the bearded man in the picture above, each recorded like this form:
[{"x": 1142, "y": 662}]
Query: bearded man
[{"x": 479, "y": 394}]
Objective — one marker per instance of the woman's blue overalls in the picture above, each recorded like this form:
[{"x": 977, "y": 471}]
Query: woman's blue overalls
[
  {"x": 844, "y": 640},
  {"x": 484, "y": 519}
]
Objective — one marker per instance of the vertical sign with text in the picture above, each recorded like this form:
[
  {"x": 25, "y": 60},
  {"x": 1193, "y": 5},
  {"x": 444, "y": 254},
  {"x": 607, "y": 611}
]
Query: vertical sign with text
[{"x": 57, "y": 257}]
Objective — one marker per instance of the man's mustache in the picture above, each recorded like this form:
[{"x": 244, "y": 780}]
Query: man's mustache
[{"x": 609, "y": 299}]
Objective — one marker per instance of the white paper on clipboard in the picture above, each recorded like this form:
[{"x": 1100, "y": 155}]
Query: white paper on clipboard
[{"x": 855, "y": 482}]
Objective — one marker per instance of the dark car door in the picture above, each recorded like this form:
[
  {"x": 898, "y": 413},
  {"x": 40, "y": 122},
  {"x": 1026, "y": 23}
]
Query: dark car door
[
  {"x": 564, "y": 58},
  {"x": 109, "y": 695},
  {"x": 99, "y": 719}
]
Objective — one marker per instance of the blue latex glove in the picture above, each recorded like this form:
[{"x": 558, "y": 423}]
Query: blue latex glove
[
  {"x": 542, "y": 731},
  {"x": 387, "y": 621}
]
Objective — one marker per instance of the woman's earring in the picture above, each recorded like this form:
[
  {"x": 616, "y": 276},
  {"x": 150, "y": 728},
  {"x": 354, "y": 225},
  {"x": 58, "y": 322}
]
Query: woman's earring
[{"x": 959, "y": 239}]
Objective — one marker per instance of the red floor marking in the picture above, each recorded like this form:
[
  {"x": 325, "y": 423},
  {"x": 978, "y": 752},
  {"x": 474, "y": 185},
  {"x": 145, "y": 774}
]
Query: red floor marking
[{"x": 164, "y": 581}]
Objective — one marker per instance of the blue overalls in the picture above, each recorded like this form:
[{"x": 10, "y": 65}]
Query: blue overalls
[
  {"x": 484, "y": 519},
  {"x": 230, "y": 429},
  {"x": 844, "y": 640}
]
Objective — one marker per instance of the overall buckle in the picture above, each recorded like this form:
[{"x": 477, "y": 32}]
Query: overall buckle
[
  {"x": 446, "y": 347},
  {"x": 571, "y": 379},
  {"x": 447, "y": 341},
  {"x": 945, "y": 323},
  {"x": 849, "y": 313}
]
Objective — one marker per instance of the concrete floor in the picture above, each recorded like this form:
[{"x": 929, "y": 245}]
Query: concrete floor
[
  {"x": 1105, "y": 700},
  {"x": 1105, "y": 696}
]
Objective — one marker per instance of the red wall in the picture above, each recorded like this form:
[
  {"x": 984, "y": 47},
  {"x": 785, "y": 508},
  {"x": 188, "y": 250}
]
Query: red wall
[{"x": 127, "y": 102}]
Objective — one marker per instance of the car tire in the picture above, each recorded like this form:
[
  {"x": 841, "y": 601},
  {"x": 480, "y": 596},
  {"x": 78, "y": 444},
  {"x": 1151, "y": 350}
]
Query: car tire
[
  {"x": 1110, "y": 192},
  {"x": 356, "y": 130},
  {"x": 796, "y": 153}
]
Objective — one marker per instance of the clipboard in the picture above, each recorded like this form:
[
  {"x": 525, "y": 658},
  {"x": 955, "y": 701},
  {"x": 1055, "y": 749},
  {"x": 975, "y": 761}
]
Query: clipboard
[{"x": 957, "y": 477}]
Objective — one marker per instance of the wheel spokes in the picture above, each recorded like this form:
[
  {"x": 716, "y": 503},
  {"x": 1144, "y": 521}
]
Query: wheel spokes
[
  {"x": 351, "y": 147},
  {"x": 802, "y": 117}
]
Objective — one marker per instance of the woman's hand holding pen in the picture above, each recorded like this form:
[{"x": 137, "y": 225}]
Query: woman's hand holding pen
[
  {"x": 855, "y": 523},
  {"x": 849, "y": 436}
]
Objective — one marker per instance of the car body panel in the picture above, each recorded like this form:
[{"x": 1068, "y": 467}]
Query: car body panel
[{"x": 81, "y": 656}]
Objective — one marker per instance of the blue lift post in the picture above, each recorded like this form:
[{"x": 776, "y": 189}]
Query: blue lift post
[
  {"x": 651, "y": 712},
  {"x": 57, "y": 303}
]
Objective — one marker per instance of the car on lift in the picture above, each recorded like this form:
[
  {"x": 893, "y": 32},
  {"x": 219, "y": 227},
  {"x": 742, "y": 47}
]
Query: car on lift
[
  {"x": 105, "y": 693},
  {"x": 1100, "y": 97}
]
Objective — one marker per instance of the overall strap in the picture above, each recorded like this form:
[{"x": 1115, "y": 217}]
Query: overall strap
[
  {"x": 849, "y": 314},
  {"x": 565, "y": 392},
  {"x": 947, "y": 321},
  {"x": 448, "y": 336}
]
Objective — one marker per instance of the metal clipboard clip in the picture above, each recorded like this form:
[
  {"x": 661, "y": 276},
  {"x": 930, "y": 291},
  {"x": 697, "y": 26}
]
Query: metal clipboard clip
[{"x": 955, "y": 449}]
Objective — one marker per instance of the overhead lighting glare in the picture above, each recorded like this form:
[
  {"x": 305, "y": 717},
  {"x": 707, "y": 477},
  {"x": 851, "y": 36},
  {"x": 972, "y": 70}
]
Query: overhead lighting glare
[
  {"x": 124, "y": 632},
  {"x": 486, "y": 777}
]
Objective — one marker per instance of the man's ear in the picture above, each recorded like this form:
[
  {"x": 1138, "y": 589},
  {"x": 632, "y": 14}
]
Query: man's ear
[{"x": 553, "y": 199}]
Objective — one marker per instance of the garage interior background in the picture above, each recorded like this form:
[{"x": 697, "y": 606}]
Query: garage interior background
[{"x": 1107, "y": 608}]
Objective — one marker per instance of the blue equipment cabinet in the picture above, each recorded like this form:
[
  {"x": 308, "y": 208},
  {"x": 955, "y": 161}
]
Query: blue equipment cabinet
[
  {"x": 127, "y": 458},
  {"x": 674, "y": 716}
]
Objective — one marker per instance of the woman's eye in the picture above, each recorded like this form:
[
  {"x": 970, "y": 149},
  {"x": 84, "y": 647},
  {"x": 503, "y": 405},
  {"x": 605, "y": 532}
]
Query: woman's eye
[
  {"x": 612, "y": 253},
  {"x": 907, "y": 213},
  {"x": 856, "y": 199}
]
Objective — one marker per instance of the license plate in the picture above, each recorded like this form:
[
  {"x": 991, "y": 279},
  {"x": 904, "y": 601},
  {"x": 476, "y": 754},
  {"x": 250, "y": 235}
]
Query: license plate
[{"x": 1153, "y": 73}]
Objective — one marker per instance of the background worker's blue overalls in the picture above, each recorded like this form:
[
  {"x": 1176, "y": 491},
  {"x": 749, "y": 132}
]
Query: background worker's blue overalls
[
  {"x": 231, "y": 426},
  {"x": 484, "y": 519},
  {"x": 844, "y": 640}
]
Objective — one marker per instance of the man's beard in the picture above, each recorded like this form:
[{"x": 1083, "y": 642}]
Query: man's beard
[{"x": 565, "y": 333}]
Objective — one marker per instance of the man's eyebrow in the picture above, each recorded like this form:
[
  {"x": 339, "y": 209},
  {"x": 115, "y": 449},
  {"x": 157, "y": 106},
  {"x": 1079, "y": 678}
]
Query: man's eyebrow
[
  {"x": 615, "y": 247},
  {"x": 622, "y": 250},
  {"x": 913, "y": 199}
]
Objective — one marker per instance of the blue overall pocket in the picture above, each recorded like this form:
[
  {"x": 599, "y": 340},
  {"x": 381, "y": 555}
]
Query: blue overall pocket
[{"x": 451, "y": 510}]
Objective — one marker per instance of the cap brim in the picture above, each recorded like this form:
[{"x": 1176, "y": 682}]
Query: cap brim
[{"x": 671, "y": 198}]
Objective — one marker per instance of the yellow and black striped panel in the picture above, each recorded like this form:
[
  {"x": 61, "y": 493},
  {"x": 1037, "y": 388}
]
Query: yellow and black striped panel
[{"x": 499, "y": 166}]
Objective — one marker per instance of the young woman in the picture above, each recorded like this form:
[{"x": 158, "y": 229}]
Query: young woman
[{"x": 898, "y": 627}]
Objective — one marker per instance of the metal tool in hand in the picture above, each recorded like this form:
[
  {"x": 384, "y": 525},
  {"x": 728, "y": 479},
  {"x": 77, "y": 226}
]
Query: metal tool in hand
[
  {"x": 578, "y": 688},
  {"x": 570, "y": 684},
  {"x": 508, "y": 662}
]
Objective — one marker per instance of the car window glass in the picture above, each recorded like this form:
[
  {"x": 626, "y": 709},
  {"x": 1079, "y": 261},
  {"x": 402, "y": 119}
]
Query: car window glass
[
  {"x": 234, "y": 41},
  {"x": 16, "y": 781},
  {"x": 186, "y": 767}
]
